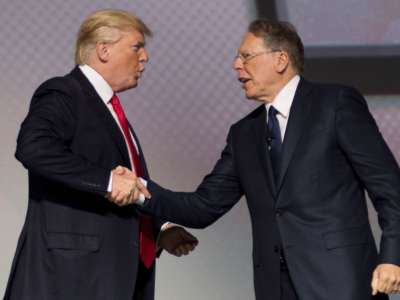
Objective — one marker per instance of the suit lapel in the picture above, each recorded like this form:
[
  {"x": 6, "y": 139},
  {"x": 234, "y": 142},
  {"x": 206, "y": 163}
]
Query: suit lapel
[
  {"x": 140, "y": 153},
  {"x": 299, "y": 113},
  {"x": 103, "y": 113},
  {"x": 260, "y": 131}
]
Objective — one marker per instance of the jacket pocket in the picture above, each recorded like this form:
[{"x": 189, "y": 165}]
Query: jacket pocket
[
  {"x": 72, "y": 241},
  {"x": 347, "y": 237}
]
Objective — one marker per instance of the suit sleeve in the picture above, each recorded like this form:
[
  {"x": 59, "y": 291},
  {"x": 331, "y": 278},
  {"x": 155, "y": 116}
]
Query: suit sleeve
[
  {"x": 43, "y": 145},
  {"x": 217, "y": 194},
  {"x": 374, "y": 164}
]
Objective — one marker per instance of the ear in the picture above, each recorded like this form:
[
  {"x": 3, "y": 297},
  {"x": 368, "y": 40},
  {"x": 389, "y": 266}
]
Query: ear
[
  {"x": 282, "y": 61},
  {"x": 103, "y": 52}
]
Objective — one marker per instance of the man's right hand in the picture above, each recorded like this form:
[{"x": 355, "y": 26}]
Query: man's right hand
[{"x": 126, "y": 187}]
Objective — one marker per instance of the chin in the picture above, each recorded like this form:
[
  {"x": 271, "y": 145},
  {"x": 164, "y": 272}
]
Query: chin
[
  {"x": 130, "y": 86},
  {"x": 249, "y": 95},
  {"x": 254, "y": 97},
  {"x": 125, "y": 88}
]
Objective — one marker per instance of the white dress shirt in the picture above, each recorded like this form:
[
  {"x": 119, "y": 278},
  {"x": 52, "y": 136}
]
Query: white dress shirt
[
  {"x": 283, "y": 102},
  {"x": 105, "y": 92}
]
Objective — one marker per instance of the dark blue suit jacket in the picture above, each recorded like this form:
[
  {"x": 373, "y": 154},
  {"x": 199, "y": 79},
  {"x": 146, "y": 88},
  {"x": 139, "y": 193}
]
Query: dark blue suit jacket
[
  {"x": 332, "y": 152},
  {"x": 75, "y": 244}
]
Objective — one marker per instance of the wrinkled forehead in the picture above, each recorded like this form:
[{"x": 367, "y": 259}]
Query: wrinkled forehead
[{"x": 251, "y": 42}]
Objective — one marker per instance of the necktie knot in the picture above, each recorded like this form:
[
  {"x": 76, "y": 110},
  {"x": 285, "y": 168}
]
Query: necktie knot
[
  {"x": 114, "y": 100},
  {"x": 272, "y": 111},
  {"x": 273, "y": 124}
]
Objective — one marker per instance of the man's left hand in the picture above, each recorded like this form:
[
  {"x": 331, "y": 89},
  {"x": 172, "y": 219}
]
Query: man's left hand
[
  {"x": 386, "y": 279},
  {"x": 177, "y": 241}
]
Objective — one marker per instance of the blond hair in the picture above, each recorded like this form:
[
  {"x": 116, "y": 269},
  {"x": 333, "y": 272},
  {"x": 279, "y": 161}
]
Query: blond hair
[{"x": 105, "y": 26}]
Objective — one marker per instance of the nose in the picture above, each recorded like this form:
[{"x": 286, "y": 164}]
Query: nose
[
  {"x": 237, "y": 63},
  {"x": 144, "y": 58}
]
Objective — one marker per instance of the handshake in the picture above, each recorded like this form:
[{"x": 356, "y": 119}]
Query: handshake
[{"x": 126, "y": 187}]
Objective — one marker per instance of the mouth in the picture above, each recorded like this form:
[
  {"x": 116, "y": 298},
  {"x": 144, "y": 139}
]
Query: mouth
[{"x": 243, "y": 80}]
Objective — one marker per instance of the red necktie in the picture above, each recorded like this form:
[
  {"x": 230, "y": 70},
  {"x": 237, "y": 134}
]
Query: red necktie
[{"x": 147, "y": 245}]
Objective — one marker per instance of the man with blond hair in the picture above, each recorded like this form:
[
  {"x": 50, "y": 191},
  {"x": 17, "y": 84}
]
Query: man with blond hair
[{"x": 82, "y": 238}]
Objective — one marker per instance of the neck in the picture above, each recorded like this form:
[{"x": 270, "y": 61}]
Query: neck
[
  {"x": 278, "y": 86},
  {"x": 99, "y": 68}
]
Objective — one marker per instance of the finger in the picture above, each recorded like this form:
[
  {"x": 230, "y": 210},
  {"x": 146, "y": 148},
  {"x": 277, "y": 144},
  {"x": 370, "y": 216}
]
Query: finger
[
  {"x": 178, "y": 252},
  {"x": 382, "y": 284},
  {"x": 135, "y": 196},
  {"x": 120, "y": 199},
  {"x": 124, "y": 201},
  {"x": 193, "y": 246},
  {"x": 385, "y": 289},
  {"x": 113, "y": 196},
  {"x": 132, "y": 192},
  {"x": 189, "y": 247},
  {"x": 129, "y": 173},
  {"x": 390, "y": 283},
  {"x": 129, "y": 197},
  {"x": 189, "y": 237},
  {"x": 389, "y": 290},
  {"x": 184, "y": 250},
  {"x": 396, "y": 286},
  {"x": 374, "y": 283},
  {"x": 143, "y": 189},
  {"x": 389, "y": 286}
]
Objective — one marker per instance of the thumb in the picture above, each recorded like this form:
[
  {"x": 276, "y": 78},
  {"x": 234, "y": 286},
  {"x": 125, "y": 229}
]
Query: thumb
[
  {"x": 143, "y": 189},
  {"x": 119, "y": 170},
  {"x": 189, "y": 237},
  {"x": 374, "y": 282}
]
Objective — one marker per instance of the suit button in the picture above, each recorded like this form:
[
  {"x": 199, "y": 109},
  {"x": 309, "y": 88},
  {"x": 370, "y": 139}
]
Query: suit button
[
  {"x": 279, "y": 212},
  {"x": 276, "y": 249}
]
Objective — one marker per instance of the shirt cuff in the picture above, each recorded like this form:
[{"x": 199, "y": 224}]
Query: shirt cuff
[
  {"x": 109, "y": 187},
  {"x": 164, "y": 226},
  {"x": 142, "y": 198},
  {"x": 167, "y": 225}
]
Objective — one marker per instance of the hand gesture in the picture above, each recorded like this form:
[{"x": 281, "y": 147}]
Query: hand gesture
[
  {"x": 177, "y": 241},
  {"x": 386, "y": 279},
  {"x": 126, "y": 187}
]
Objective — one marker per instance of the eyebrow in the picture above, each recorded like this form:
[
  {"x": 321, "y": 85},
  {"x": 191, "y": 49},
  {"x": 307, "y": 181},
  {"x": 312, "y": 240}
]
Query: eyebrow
[
  {"x": 139, "y": 44},
  {"x": 244, "y": 51}
]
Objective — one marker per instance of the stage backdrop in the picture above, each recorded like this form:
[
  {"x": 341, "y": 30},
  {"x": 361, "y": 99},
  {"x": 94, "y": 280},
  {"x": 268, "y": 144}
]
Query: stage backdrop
[{"x": 181, "y": 111}]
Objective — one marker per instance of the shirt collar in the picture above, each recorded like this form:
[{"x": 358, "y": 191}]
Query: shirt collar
[
  {"x": 284, "y": 99},
  {"x": 100, "y": 85}
]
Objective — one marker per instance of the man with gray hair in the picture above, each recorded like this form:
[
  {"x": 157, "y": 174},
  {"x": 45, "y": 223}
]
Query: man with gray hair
[
  {"x": 303, "y": 159},
  {"x": 83, "y": 238}
]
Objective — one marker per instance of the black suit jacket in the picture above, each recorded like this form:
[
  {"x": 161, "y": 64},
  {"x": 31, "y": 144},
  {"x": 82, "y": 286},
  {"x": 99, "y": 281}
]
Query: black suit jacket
[
  {"x": 75, "y": 244},
  {"x": 332, "y": 152}
]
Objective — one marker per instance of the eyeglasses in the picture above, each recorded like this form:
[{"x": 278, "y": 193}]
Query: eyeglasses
[{"x": 245, "y": 57}]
